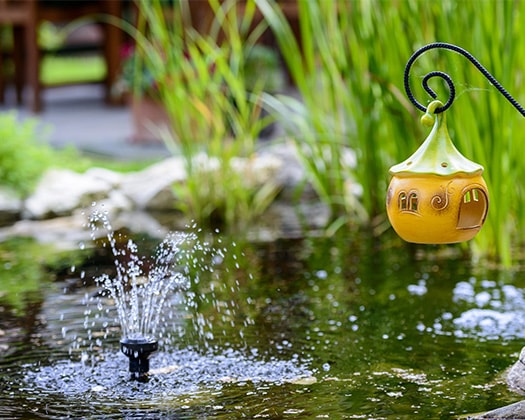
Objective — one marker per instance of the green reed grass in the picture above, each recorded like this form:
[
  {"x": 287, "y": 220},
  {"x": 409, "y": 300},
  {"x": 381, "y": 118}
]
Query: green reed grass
[
  {"x": 348, "y": 98},
  {"x": 484, "y": 126},
  {"x": 349, "y": 73},
  {"x": 348, "y": 68},
  {"x": 215, "y": 117}
]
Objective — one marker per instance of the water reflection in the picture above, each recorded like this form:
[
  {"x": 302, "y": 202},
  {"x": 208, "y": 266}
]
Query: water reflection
[{"x": 308, "y": 328}]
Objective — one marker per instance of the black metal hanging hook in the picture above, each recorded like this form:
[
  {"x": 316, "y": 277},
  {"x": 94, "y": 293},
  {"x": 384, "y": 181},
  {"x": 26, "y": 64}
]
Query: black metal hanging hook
[{"x": 448, "y": 80}]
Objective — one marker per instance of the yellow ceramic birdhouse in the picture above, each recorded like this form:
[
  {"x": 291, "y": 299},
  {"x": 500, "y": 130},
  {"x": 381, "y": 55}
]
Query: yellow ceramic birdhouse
[{"x": 437, "y": 195}]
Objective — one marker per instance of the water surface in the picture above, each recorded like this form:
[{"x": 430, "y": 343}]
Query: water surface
[{"x": 345, "y": 327}]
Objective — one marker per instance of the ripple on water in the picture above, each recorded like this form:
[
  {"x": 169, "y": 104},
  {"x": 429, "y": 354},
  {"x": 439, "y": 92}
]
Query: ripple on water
[
  {"x": 495, "y": 311},
  {"x": 177, "y": 373}
]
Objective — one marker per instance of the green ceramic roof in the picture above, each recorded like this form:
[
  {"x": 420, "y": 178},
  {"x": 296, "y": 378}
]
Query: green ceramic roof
[{"x": 437, "y": 155}]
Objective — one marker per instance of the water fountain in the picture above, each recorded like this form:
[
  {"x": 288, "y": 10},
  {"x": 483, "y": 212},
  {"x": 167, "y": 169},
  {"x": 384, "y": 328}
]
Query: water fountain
[
  {"x": 149, "y": 304},
  {"x": 141, "y": 292},
  {"x": 139, "y": 297},
  {"x": 139, "y": 351}
]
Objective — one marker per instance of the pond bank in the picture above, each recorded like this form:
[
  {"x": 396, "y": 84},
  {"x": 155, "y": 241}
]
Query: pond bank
[{"x": 145, "y": 201}]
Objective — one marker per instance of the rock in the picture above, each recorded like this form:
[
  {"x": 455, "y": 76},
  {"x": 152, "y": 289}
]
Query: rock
[
  {"x": 291, "y": 172},
  {"x": 257, "y": 170},
  {"x": 10, "y": 206},
  {"x": 103, "y": 174},
  {"x": 61, "y": 191},
  {"x": 516, "y": 382},
  {"x": 516, "y": 375},
  {"x": 64, "y": 232},
  {"x": 152, "y": 188},
  {"x": 116, "y": 202},
  {"x": 512, "y": 411},
  {"x": 140, "y": 221}
]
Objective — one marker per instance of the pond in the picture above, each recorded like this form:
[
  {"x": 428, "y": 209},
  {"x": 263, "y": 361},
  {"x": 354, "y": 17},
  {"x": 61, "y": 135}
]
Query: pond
[{"x": 307, "y": 327}]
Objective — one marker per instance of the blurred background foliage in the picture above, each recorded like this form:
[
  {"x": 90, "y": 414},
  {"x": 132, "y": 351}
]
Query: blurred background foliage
[
  {"x": 346, "y": 63},
  {"x": 358, "y": 50}
]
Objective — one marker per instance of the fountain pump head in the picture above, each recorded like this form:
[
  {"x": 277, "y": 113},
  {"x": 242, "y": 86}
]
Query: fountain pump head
[{"x": 139, "y": 351}]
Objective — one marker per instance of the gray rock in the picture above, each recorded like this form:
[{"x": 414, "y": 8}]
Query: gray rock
[
  {"x": 61, "y": 191},
  {"x": 516, "y": 375},
  {"x": 116, "y": 202},
  {"x": 512, "y": 411},
  {"x": 152, "y": 187},
  {"x": 106, "y": 175},
  {"x": 291, "y": 173},
  {"x": 516, "y": 382},
  {"x": 140, "y": 221},
  {"x": 258, "y": 170},
  {"x": 10, "y": 206},
  {"x": 64, "y": 232}
]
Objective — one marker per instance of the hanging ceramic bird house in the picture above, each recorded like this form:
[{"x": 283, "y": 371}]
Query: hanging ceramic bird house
[{"x": 437, "y": 195}]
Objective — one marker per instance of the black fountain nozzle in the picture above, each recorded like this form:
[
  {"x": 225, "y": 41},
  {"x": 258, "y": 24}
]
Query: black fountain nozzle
[{"x": 139, "y": 351}]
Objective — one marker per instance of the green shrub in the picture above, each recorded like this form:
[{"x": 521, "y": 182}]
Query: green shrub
[{"x": 23, "y": 156}]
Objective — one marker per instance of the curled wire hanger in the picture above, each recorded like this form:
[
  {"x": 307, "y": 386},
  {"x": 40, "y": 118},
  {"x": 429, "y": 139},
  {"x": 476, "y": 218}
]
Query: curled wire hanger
[{"x": 448, "y": 80}]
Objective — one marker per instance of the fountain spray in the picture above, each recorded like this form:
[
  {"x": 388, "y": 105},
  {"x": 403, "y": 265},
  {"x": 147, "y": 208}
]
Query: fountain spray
[{"x": 140, "y": 297}]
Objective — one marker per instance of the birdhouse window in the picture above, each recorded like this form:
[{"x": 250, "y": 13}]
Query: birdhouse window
[
  {"x": 412, "y": 202},
  {"x": 403, "y": 200},
  {"x": 471, "y": 195},
  {"x": 473, "y": 209},
  {"x": 408, "y": 202}
]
